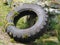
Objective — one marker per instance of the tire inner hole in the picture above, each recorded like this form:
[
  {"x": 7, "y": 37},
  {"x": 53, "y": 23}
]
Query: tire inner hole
[{"x": 25, "y": 19}]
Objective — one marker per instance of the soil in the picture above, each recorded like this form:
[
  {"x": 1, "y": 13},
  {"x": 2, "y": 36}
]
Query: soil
[{"x": 5, "y": 39}]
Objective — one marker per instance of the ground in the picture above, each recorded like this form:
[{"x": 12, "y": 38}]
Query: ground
[{"x": 6, "y": 40}]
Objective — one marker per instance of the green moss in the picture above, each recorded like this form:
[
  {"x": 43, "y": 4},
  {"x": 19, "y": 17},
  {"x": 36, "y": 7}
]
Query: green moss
[
  {"x": 1, "y": 23},
  {"x": 16, "y": 13},
  {"x": 12, "y": 40},
  {"x": 25, "y": 36},
  {"x": 50, "y": 43}
]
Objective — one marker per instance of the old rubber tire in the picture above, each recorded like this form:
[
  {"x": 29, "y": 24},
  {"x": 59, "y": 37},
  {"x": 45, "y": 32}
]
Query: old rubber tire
[{"x": 33, "y": 32}]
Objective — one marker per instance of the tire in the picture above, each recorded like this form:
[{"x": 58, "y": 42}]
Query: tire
[{"x": 33, "y": 32}]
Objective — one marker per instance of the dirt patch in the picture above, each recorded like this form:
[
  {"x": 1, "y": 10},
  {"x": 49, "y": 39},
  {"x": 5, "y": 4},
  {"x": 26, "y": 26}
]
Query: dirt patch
[{"x": 5, "y": 39}]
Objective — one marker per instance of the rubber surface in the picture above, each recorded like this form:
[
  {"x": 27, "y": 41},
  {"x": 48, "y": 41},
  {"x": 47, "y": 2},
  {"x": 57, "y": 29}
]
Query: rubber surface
[{"x": 30, "y": 33}]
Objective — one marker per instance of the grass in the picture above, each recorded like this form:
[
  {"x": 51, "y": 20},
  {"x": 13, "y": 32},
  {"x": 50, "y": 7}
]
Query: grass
[
  {"x": 3, "y": 12},
  {"x": 22, "y": 24},
  {"x": 53, "y": 26}
]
